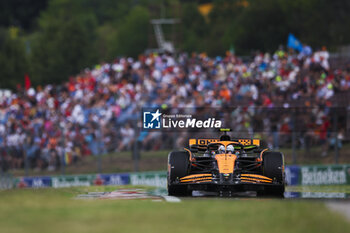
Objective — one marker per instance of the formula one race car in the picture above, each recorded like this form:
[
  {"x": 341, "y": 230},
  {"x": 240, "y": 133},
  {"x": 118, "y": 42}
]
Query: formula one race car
[{"x": 226, "y": 166}]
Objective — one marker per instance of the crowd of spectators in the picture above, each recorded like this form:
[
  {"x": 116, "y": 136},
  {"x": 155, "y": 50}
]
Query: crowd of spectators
[{"x": 98, "y": 111}]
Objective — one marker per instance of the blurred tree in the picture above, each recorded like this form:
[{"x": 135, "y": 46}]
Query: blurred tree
[
  {"x": 108, "y": 10},
  {"x": 13, "y": 61},
  {"x": 319, "y": 22},
  {"x": 132, "y": 35},
  {"x": 223, "y": 26},
  {"x": 194, "y": 29},
  {"x": 265, "y": 24},
  {"x": 65, "y": 44},
  {"x": 20, "y": 13},
  {"x": 71, "y": 35},
  {"x": 261, "y": 26},
  {"x": 106, "y": 42}
]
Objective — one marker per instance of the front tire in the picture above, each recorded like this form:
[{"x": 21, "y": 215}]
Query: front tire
[
  {"x": 178, "y": 165},
  {"x": 273, "y": 167}
]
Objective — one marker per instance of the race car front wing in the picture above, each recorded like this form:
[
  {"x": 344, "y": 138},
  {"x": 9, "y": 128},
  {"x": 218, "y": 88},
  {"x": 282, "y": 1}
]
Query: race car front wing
[{"x": 227, "y": 182}]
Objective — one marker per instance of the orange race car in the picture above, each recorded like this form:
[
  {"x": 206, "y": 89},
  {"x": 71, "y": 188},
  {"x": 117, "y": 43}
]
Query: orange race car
[{"x": 225, "y": 166}]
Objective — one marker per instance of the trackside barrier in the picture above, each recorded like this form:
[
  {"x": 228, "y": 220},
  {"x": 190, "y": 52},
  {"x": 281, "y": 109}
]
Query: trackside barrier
[
  {"x": 318, "y": 175},
  {"x": 157, "y": 179},
  {"x": 325, "y": 175},
  {"x": 72, "y": 180},
  {"x": 292, "y": 174},
  {"x": 295, "y": 175},
  {"x": 6, "y": 180}
]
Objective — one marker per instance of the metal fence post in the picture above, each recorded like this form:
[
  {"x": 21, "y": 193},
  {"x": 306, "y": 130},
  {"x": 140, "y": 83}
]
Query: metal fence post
[
  {"x": 26, "y": 164},
  {"x": 63, "y": 161},
  {"x": 136, "y": 149},
  {"x": 99, "y": 163},
  {"x": 136, "y": 156},
  {"x": 335, "y": 133},
  {"x": 99, "y": 156},
  {"x": 294, "y": 155}
]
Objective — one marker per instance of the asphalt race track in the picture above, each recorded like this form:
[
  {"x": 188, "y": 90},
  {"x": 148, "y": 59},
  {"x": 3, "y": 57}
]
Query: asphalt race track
[
  {"x": 161, "y": 194},
  {"x": 335, "y": 201}
]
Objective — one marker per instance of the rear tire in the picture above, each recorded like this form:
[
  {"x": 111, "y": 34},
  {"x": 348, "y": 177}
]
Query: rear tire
[
  {"x": 273, "y": 167},
  {"x": 178, "y": 165}
]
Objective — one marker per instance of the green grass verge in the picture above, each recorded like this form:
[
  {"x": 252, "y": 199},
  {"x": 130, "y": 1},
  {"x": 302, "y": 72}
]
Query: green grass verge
[{"x": 56, "y": 210}]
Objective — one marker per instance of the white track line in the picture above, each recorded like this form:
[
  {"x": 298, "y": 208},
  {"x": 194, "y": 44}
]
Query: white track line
[{"x": 171, "y": 198}]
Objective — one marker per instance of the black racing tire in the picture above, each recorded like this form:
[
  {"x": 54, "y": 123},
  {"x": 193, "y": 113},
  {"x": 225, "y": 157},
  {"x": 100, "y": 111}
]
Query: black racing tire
[
  {"x": 178, "y": 166},
  {"x": 273, "y": 167}
]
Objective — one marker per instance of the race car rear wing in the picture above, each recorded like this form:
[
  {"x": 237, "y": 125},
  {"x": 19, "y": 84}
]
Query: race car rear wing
[{"x": 243, "y": 141}]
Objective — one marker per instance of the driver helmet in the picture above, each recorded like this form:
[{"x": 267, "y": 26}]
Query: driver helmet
[
  {"x": 207, "y": 153},
  {"x": 221, "y": 149},
  {"x": 230, "y": 149}
]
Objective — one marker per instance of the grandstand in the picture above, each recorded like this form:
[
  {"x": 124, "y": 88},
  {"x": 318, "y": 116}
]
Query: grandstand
[{"x": 97, "y": 111}]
